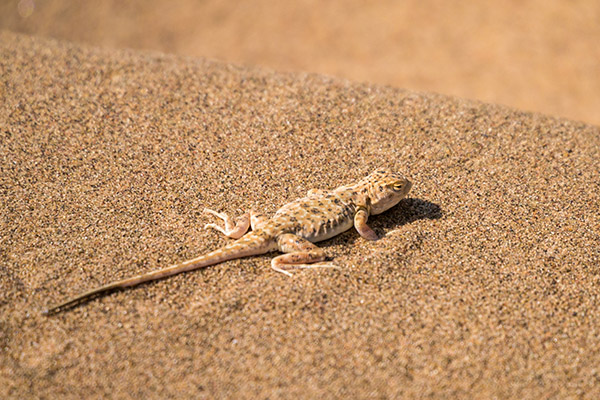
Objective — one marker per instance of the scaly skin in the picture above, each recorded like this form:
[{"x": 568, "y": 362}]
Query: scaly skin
[{"x": 292, "y": 230}]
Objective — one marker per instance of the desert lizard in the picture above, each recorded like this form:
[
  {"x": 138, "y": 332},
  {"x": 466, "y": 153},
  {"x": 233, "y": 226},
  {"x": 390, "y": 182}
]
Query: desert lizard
[{"x": 292, "y": 230}]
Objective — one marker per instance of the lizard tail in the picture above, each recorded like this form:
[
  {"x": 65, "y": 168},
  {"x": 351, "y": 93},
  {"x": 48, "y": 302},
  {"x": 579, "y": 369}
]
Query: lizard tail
[{"x": 248, "y": 245}]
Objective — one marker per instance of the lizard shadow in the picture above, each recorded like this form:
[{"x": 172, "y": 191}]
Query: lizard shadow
[{"x": 407, "y": 211}]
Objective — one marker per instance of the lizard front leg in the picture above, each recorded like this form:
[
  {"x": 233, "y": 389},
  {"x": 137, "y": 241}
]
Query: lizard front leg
[
  {"x": 300, "y": 254},
  {"x": 360, "y": 223}
]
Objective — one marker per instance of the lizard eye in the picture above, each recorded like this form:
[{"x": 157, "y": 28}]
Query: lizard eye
[{"x": 398, "y": 186}]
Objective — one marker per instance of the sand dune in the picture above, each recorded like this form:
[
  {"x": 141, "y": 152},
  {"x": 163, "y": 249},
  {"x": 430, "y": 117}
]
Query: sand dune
[
  {"x": 485, "y": 285},
  {"x": 538, "y": 55}
]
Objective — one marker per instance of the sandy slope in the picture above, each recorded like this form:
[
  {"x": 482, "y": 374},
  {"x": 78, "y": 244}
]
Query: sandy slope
[
  {"x": 485, "y": 284},
  {"x": 540, "y": 55}
]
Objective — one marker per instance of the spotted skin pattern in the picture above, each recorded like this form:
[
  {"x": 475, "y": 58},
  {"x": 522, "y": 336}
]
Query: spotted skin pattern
[{"x": 292, "y": 230}]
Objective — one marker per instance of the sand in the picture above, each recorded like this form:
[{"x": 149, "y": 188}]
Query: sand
[
  {"x": 485, "y": 284},
  {"x": 538, "y": 55}
]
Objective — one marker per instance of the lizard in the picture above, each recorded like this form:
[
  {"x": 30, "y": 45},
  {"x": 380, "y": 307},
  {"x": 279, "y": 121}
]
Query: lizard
[{"x": 292, "y": 230}]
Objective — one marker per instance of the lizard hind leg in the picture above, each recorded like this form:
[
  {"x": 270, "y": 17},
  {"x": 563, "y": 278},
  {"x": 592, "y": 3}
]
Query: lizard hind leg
[
  {"x": 300, "y": 253},
  {"x": 234, "y": 229}
]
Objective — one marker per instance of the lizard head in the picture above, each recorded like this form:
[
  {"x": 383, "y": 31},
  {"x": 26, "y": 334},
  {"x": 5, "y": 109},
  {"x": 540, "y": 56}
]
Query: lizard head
[{"x": 385, "y": 189}]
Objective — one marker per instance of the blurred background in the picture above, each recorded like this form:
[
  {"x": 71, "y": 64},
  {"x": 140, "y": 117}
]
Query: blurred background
[{"x": 536, "y": 55}]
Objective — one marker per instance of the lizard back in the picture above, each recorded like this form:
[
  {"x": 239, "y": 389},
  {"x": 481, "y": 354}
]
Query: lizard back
[{"x": 314, "y": 218}]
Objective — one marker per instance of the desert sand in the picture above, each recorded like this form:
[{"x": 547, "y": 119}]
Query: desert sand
[
  {"x": 485, "y": 283},
  {"x": 535, "y": 55}
]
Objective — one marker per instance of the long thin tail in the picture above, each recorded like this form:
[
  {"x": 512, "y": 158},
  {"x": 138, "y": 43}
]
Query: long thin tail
[{"x": 250, "y": 244}]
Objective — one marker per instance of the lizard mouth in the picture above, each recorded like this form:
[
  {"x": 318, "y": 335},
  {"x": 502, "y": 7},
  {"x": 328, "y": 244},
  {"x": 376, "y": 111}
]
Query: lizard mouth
[{"x": 408, "y": 187}]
